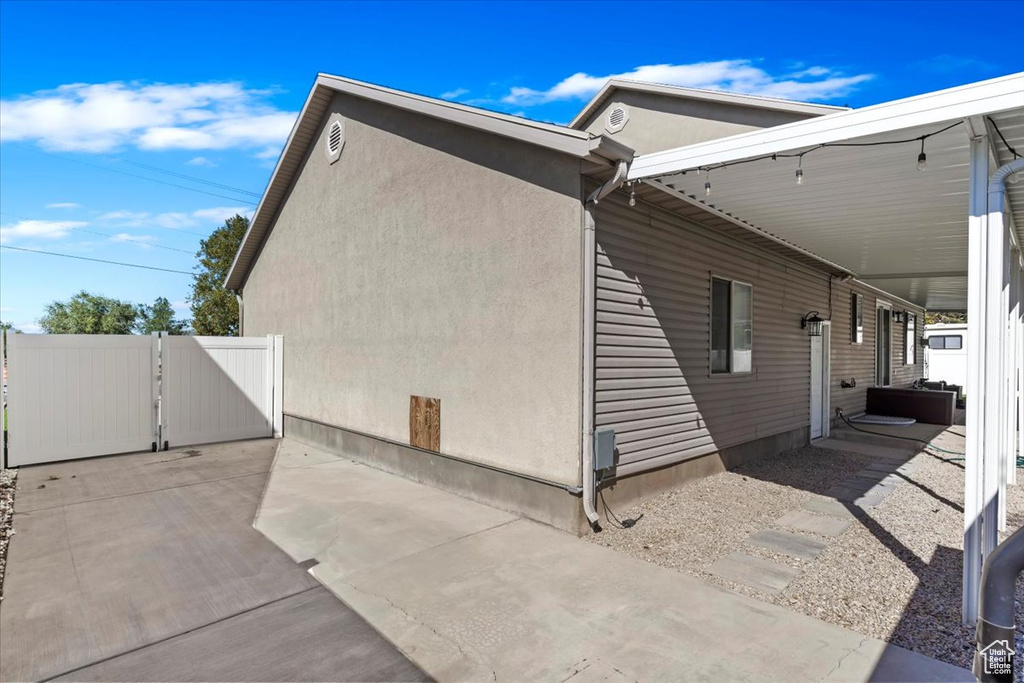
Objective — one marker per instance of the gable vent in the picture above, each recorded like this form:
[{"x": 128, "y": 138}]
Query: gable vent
[
  {"x": 617, "y": 118},
  {"x": 335, "y": 140}
]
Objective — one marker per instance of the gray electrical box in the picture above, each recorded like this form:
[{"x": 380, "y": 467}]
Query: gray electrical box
[{"x": 604, "y": 448}]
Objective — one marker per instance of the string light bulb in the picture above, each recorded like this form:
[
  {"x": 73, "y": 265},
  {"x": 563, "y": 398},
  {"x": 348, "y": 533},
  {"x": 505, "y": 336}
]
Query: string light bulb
[
  {"x": 632, "y": 195},
  {"x": 922, "y": 158},
  {"x": 707, "y": 187},
  {"x": 800, "y": 170}
]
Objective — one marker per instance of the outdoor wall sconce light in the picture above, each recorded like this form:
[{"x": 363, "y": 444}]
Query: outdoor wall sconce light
[
  {"x": 812, "y": 323},
  {"x": 897, "y": 316}
]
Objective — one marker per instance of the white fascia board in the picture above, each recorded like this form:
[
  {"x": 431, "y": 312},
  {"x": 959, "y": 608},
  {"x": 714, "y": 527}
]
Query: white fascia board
[
  {"x": 229, "y": 282},
  {"x": 975, "y": 99},
  {"x": 560, "y": 138}
]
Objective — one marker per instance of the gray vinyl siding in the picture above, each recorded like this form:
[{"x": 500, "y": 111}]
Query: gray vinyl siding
[{"x": 653, "y": 380}]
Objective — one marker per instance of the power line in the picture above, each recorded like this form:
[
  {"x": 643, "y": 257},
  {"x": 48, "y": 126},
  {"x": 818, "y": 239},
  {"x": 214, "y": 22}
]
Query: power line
[
  {"x": 157, "y": 169},
  {"x": 119, "y": 238},
  {"x": 97, "y": 260},
  {"x": 136, "y": 175}
]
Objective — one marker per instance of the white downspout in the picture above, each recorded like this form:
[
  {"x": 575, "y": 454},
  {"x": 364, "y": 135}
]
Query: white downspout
[
  {"x": 589, "y": 317},
  {"x": 997, "y": 452},
  {"x": 238, "y": 298}
]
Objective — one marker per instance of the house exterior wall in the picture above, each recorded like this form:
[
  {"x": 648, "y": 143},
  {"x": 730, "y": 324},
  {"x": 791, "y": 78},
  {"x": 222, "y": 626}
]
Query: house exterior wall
[
  {"x": 654, "y": 384},
  {"x": 658, "y": 122},
  {"x": 857, "y": 361},
  {"x": 437, "y": 261}
]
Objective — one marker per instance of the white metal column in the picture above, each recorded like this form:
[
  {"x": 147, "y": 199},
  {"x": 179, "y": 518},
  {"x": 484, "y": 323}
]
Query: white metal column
[{"x": 975, "y": 390}]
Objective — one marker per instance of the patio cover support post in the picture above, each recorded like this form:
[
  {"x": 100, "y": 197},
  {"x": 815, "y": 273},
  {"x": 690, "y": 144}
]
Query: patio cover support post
[
  {"x": 1019, "y": 349},
  {"x": 976, "y": 346}
]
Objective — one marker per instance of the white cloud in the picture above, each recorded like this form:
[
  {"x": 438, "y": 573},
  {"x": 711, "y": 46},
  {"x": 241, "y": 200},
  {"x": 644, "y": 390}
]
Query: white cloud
[
  {"x": 48, "y": 230},
  {"x": 174, "y": 220},
  {"x": 64, "y": 205},
  {"x": 180, "y": 305},
  {"x": 200, "y": 161},
  {"x": 736, "y": 75},
  {"x": 98, "y": 117},
  {"x": 452, "y": 94},
  {"x": 4, "y": 309}
]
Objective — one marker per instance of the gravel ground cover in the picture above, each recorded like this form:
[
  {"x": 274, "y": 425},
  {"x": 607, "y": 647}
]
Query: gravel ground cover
[
  {"x": 895, "y": 574},
  {"x": 8, "y": 479}
]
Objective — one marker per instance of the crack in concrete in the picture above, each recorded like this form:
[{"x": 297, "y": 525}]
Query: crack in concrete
[
  {"x": 839, "y": 663},
  {"x": 417, "y": 620}
]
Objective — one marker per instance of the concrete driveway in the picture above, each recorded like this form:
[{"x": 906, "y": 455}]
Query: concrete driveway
[{"x": 146, "y": 567}]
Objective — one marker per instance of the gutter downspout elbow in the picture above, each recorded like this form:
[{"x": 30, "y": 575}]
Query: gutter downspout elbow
[
  {"x": 996, "y": 615},
  {"x": 589, "y": 483},
  {"x": 238, "y": 298},
  {"x": 997, "y": 184}
]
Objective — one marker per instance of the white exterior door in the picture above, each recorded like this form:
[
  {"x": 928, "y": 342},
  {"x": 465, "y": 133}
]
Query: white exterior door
[
  {"x": 820, "y": 372},
  {"x": 77, "y": 396}
]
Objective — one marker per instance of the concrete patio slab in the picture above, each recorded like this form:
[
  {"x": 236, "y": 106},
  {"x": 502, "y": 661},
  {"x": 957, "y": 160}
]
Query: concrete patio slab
[
  {"x": 801, "y": 520},
  {"x": 522, "y": 601},
  {"x": 306, "y": 637},
  {"x": 96, "y": 571},
  {"x": 765, "y": 576},
  {"x": 787, "y": 543},
  {"x": 337, "y": 511}
]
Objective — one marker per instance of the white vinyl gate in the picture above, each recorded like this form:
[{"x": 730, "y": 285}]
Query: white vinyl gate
[{"x": 80, "y": 396}]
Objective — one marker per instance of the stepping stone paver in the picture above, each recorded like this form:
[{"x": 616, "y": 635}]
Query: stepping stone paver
[
  {"x": 802, "y": 520},
  {"x": 754, "y": 572},
  {"x": 833, "y": 508},
  {"x": 787, "y": 543}
]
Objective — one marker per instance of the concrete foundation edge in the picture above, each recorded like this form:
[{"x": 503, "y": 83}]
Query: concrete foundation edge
[{"x": 541, "y": 502}]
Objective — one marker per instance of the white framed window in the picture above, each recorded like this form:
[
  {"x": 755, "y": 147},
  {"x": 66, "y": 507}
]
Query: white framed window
[
  {"x": 732, "y": 327},
  {"x": 910, "y": 340},
  {"x": 856, "y": 318}
]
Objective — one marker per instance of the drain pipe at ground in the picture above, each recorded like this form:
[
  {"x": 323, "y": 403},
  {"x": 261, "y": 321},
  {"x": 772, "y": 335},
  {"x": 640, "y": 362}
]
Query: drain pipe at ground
[
  {"x": 589, "y": 316},
  {"x": 996, "y": 630}
]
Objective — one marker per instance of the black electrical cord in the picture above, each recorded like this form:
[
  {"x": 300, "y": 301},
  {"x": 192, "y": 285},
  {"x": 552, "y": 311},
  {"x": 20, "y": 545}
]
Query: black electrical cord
[
  {"x": 794, "y": 155},
  {"x": 1000, "y": 134},
  {"x": 928, "y": 444},
  {"x": 618, "y": 524}
]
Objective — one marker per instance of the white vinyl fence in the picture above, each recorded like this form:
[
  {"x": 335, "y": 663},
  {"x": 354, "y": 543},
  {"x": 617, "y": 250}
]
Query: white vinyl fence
[{"x": 79, "y": 396}]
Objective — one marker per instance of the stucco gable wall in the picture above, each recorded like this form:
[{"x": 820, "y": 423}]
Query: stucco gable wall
[
  {"x": 438, "y": 261},
  {"x": 659, "y": 122}
]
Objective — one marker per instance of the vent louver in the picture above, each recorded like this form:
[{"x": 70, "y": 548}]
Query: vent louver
[
  {"x": 335, "y": 140},
  {"x": 617, "y": 118}
]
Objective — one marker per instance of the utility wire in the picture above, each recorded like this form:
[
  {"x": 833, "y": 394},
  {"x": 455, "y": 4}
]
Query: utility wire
[
  {"x": 136, "y": 175},
  {"x": 117, "y": 238},
  {"x": 97, "y": 260},
  {"x": 161, "y": 227},
  {"x": 156, "y": 169}
]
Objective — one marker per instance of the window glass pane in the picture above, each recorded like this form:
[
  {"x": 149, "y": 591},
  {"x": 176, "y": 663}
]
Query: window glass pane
[
  {"x": 954, "y": 342},
  {"x": 936, "y": 342},
  {"x": 856, "y": 318},
  {"x": 742, "y": 327},
  {"x": 719, "y": 325},
  {"x": 911, "y": 340}
]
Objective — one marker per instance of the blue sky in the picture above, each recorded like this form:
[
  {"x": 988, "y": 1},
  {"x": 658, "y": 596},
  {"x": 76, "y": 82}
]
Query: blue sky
[{"x": 197, "y": 98}]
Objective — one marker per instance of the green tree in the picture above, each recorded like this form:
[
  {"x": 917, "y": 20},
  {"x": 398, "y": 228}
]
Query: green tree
[
  {"x": 159, "y": 318},
  {"x": 9, "y": 327},
  {"x": 214, "y": 309},
  {"x": 86, "y": 313},
  {"x": 932, "y": 318}
]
